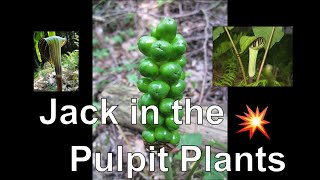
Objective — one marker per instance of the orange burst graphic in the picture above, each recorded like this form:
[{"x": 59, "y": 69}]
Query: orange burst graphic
[{"x": 254, "y": 121}]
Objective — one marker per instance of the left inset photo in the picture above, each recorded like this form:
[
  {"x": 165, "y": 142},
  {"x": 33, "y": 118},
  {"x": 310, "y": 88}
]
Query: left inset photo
[{"x": 55, "y": 61}]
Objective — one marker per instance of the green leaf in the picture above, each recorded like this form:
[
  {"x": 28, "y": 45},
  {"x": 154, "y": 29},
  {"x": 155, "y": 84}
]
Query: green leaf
[
  {"x": 219, "y": 30},
  {"x": 224, "y": 46},
  {"x": 98, "y": 69},
  {"x": 130, "y": 32},
  {"x": 132, "y": 78},
  {"x": 95, "y": 41},
  {"x": 100, "y": 53},
  {"x": 101, "y": 84},
  {"x": 133, "y": 48},
  {"x": 188, "y": 74},
  {"x": 97, "y": 105},
  {"x": 117, "y": 69},
  {"x": 194, "y": 139},
  {"x": 213, "y": 174},
  {"x": 162, "y": 2},
  {"x": 51, "y": 33},
  {"x": 245, "y": 42},
  {"x": 193, "y": 84},
  {"x": 129, "y": 17},
  {"x": 266, "y": 32},
  {"x": 117, "y": 39},
  {"x": 95, "y": 125},
  {"x": 37, "y": 36},
  {"x": 216, "y": 32},
  {"x": 106, "y": 39},
  {"x": 37, "y": 51}
]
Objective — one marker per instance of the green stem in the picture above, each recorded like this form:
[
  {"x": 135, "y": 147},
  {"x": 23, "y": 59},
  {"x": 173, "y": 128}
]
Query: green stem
[
  {"x": 195, "y": 166},
  {"x": 237, "y": 54},
  {"x": 169, "y": 174},
  {"x": 218, "y": 144},
  {"x": 265, "y": 54},
  {"x": 199, "y": 171},
  {"x": 37, "y": 51}
]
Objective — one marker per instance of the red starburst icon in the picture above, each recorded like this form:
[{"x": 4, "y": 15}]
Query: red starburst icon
[{"x": 254, "y": 121}]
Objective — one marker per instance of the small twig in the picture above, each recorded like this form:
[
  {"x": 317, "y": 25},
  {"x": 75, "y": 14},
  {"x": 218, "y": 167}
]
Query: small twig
[
  {"x": 204, "y": 80},
  {"x": 117, "y": 13},
  {"x": 180, "y": 8},
  {"x": 208, "y": 91},
  {"x": 98, "y": 18},
  {"x": 194, "y": 52},
  {"x": 265, "y": 54},
  {"x": 114, "y": 19},
  {"x": 124, "y": 137},
  {"x": 213, "y": 5},
  {"x": 95, "y": 5},
  {"x": 219, "y": 21},
  {"x": 237, "y": 54},
  {"x": 129, "y": 145},
  {"x": 176, "y": 15},
  {"x": 195, "y": 38},
  {"x": 197, "y": 6},
  {"x": 166, "y": 10}
]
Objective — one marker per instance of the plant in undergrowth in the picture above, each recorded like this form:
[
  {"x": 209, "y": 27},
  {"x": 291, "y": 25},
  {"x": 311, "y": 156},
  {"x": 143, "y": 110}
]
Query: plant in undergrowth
[
  {"x": 196, "y": 169},
  {"x": 53, "y": 54},
  {"x": 162, "y": 84},
  {"x": 256, "y": 53},
  {"x": 71, "y": 60},
  {"x": 51, "y": 48}
]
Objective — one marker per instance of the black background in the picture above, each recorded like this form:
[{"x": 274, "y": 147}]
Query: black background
[
  {"x": 284, "y": 103},
  {"x": 280, "y": 114},
  {"x": 52, "y": 156},
  {"x": 48, "y": 150}
]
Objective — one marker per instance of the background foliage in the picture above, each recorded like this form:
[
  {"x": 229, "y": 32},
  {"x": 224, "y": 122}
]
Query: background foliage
[{"x": 226, "y": 70}]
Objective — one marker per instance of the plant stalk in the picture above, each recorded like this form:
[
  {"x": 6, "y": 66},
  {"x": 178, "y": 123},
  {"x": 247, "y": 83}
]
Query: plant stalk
[
  {"x": 265, "y": 54},
  {"x": 193, "y": 169},
  {"x": 218, "y": 144},
  {"x": 238, "y": 56},
  {"x": 250, "y": 80},
  {"x": 169, "y": 174},
  {"x": 59, "y": 83}
]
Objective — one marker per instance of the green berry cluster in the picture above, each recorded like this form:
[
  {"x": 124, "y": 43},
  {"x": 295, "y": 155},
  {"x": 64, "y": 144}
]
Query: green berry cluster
[{"x": 163, "y": 81}]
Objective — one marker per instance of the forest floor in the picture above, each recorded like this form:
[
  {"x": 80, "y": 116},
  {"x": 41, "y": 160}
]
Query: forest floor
[
  {"x": 45, "y": 80},
  {"x": 117, "y": 26}
]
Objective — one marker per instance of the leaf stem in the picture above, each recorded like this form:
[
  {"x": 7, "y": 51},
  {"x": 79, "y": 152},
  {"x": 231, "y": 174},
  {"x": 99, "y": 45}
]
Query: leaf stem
[
  {"x": 194, "y": 167},
  {"x": 265, "y": 54},
  {"x": 169, "y": 174},
  {"x": 239, "y": 59},
  {"x": 199, "y": 171},
  {"x": 218, "y": 144}
]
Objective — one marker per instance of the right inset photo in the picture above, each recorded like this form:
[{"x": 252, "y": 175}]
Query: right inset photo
[{"x": 252, "y": 56}]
